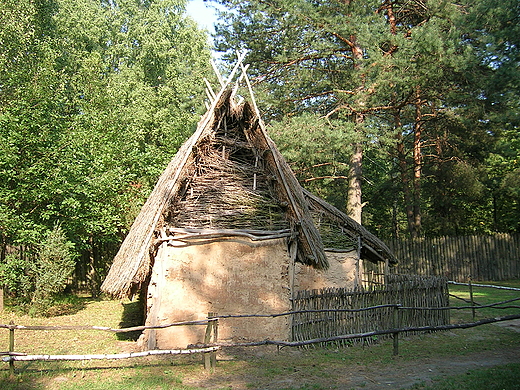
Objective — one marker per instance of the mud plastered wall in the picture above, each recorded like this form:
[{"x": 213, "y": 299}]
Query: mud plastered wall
[
  {"x": 233, "y": 276},
  {"x": 341, "y": 273}
]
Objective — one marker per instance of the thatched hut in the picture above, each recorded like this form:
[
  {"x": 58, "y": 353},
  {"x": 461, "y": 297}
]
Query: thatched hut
[{"x": 228, "y": 229}]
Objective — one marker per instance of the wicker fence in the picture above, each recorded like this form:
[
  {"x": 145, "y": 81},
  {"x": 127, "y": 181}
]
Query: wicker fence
[
  {"x": 495, "y": 257},
  {"x": 406, "y": 290}
]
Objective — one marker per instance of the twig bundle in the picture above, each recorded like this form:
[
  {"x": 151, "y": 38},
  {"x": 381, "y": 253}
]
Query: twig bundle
[{"x": 229, "y": 187}]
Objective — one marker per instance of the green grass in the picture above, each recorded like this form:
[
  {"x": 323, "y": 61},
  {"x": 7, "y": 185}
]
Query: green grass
[
  {"x": 497, "y": 378},
  {"x": 250, "y": 368},
  {"x": 484, "y": 296}
]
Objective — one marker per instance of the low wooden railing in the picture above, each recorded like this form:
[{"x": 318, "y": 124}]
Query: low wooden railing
[
  {"x": 211, "y": 344},
  {"x": 209, "y": 352}
]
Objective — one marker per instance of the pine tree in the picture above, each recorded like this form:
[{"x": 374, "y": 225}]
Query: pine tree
[{"x": 383, "y": 68}]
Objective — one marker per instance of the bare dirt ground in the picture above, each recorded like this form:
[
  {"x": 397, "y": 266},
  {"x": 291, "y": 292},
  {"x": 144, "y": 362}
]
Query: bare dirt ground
[
  {"x": 400, "y": 373},
  {"x": 424, "y": 371}
]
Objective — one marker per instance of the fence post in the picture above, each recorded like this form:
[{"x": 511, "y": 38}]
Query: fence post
[
  {"x": 11, "y": 348},
  {"x": 210, "y": 358},
  {"x": 471, "y": 298},
  {"x": 395, "y": 335}
]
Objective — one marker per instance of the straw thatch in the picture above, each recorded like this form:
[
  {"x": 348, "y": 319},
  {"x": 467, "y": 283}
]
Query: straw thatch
[
  {"x": 228, "y": 177},
  {"x": 343, "y": 230}
]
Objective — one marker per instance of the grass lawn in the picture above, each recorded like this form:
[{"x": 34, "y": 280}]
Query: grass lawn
[{"x": 267, "y": 368}]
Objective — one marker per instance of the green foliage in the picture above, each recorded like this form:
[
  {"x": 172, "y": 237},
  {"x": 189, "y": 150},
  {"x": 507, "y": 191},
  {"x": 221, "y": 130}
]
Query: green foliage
[
  {"x": 430, "y": 89},
  {"x": 319, "y": 155},
  {"x": 95, "y": 98},
  {"x": 52, "y": 269},
  {"x": 16, "y": 279},
  {"x": 36, "y": 278}
]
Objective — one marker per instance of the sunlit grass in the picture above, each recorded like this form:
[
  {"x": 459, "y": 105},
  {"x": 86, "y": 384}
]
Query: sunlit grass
[
  {"x": 483, "y": 296},
  {"x": 315, "y": 368},
  {"x": 107, "y": 313}
]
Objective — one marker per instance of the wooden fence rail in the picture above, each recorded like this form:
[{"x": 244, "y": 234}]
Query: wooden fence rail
[
  {"x": 494, "y": 257},
  {"x": 326, "y": 316},
  {"x": 209, "y": 352},
  {"x": 212, "y": 347}
]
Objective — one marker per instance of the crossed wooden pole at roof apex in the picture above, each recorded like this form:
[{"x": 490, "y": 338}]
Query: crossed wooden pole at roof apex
[{"x": 224, "y": 83}]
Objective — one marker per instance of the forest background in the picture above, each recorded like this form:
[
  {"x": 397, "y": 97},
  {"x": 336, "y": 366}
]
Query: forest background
[{"x": 404, "y": 113}]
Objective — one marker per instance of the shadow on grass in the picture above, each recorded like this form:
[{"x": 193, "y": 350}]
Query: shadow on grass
[
  {"x": 133, "y": 315},
  {"x": 17, "y": 383},
  {"x": 96, "y": 375}
]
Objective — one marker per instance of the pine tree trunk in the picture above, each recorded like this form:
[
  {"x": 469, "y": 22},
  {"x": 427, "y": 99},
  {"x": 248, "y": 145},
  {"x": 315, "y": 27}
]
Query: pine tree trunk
[
  {"x": 407, "y": 190},
  {"x": 417, "y": 170},
  {"x": 354, "y": 205},
  {"x": 410, "y": 182}
]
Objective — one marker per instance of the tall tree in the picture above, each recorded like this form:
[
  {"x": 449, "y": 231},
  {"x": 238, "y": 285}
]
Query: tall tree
[
  {"x": 384, "y": 67},
  {"x": 493, "y": 31},
  {"x": 95, "y": 97}
]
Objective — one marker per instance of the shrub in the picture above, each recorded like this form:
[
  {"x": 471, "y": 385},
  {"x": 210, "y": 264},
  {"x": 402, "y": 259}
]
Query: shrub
[
  {"x": 15, "y": 277},
  {"x": 53, "y": 267}
]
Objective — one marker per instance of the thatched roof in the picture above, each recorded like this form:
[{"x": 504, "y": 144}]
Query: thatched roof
[
  {"x": 228, "y": 177},
  {"x": 372, "y": 248}
]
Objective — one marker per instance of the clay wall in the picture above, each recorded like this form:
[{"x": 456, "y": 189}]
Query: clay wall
[
  {"x": 233, "y": 276},
  {"x": 341, "y": 273}
]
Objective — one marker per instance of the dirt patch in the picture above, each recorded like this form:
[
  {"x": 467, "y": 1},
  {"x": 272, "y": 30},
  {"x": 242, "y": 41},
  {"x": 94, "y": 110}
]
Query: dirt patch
[
  {"x": 407, "y": 374},
  {"x": 399, "y": 374},
  {"x": 513, "y": 325}
]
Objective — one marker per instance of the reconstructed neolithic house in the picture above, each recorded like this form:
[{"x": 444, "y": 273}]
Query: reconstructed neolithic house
[{"x": 228, "y": 229}]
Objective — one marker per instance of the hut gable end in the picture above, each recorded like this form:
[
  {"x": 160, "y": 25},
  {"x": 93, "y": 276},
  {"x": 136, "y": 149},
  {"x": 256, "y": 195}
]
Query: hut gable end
[
  {"x": 229, "y": 187},
  {"x": 228, "y": 179}
]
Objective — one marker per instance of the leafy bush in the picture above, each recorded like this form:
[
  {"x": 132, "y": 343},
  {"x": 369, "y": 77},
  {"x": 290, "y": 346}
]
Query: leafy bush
[
  {"x": 53, "y": 267},
  {"x": 16, "y": 279},
  {"x": 35, "y": 281}
]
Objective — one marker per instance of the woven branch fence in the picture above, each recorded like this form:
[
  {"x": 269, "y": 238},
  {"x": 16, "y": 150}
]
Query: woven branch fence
[
  {"x": 432, "y": 300},
  {"x": 494, "y": 257},
  {"x": 404, "y": 290}
]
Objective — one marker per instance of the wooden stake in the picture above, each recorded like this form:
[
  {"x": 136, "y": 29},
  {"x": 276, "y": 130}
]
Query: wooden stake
[
  {"x": 357, "y": 276},
  {"x": 209, "y": 91},
  {"x": 213, "y": 354},
  {"x": 396, "y": 326},
  {"x": 471, "y": 298},
  {"x": 217, "y": 73},
  {"x": 11, "y": 349},
  {"x": 210, "y": 358}
]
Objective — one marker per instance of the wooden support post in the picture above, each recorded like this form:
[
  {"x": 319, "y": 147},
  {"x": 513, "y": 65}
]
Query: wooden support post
[
  {"x": 215, "y": 338},
  {"x": 210, "y": 358},
  {"x": 386, "y": 272},
  {"x": 357, "y": 277},
  {"x": 207, "y": 339},
  {"x": 395, "y": 335},
  {"x": 11, "y": 348}
]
